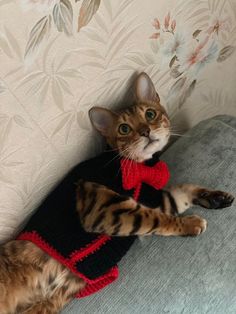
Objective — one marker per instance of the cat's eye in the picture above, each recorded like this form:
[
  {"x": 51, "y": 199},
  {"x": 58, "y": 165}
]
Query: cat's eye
[
  {"x": 150, "y": 114},
  {"x": 124, "y": 129}
]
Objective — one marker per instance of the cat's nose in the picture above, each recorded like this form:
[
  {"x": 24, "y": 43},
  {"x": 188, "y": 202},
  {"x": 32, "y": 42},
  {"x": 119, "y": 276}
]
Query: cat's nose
[{"x": 144, "y": 131}]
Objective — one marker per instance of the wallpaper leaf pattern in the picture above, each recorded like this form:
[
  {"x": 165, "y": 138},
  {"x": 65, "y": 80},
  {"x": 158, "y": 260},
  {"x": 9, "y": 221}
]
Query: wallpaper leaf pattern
[
  {"x": 225, "y": 53},
  {"x": 63, "y": 17},
  {"x": 61, "y": 11},
  {"x": 87, "y": 10},
  {"x": 69, "y": 55},
  {"x": 38, "y": 33}
]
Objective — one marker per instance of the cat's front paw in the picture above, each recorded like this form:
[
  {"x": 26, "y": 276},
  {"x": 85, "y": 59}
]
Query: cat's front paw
[
  {"x": 213, "y": 199},
  {"x": 193, "y": 225}
]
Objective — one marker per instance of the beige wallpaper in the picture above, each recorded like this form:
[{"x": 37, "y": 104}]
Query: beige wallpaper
[{"x": 59, "y": 57}]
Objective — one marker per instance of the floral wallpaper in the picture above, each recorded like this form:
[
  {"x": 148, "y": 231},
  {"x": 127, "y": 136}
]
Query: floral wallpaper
[{"x": 60, "y": 57}]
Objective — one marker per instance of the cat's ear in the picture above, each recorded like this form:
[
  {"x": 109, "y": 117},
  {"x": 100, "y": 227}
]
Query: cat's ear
[
  {"x": 145, "y": 89},
  {"x": 102, "y": 119}
]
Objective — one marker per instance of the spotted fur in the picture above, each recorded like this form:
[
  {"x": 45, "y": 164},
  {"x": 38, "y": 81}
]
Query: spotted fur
[{"x": 31, "y": 282}]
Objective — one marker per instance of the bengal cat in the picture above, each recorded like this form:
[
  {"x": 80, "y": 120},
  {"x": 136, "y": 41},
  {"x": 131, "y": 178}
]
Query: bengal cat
[{"x": 32, "y": 282}]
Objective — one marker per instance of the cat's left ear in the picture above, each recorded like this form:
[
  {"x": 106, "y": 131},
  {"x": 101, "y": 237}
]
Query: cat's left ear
[
  {"x": 145, "y": 89},
  {"x": 102, "y": 120}
]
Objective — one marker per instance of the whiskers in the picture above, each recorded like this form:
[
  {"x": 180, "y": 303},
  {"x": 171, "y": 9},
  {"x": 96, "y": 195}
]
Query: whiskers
[
  {"x": 128, "y": 153},
  {"x": 174, "y": 132}
]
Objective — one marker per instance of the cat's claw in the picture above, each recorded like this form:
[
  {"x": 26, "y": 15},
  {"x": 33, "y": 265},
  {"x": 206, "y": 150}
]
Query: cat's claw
[{"x": 213, "y": 199}]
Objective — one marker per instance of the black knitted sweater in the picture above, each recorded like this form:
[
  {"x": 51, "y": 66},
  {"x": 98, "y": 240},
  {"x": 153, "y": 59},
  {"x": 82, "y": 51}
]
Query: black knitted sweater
[{"x": 55, "y": 226}]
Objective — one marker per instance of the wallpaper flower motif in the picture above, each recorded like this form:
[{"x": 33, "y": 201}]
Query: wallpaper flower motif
[{"x": 188, "y": 54}]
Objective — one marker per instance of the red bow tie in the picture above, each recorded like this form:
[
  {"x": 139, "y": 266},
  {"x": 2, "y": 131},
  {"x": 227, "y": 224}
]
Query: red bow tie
[{"x": 134, "y": 174}]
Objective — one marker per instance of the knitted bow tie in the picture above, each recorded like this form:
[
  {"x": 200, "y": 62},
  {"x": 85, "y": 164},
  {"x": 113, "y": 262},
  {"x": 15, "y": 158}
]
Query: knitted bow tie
[{"x": 134, "y": 174}]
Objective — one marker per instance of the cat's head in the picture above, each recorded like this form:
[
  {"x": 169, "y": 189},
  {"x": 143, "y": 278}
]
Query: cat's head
[{"x": 138, "y": 131}]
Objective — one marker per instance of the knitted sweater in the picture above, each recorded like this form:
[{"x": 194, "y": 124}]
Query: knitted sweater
[{"x": 55, "y": 227}]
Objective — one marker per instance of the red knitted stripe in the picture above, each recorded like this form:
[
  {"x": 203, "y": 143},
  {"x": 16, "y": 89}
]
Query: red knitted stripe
[
  {"x": 111, "y": 276},
  {"x": 137, "y": 192},
  {"x": 125, "y": 168},
  {"x": 90, "y": 248},
  {"x": 93, "y": 285}
]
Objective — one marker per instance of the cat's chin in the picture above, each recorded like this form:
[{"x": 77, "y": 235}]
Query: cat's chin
[
  {"x": 146, "y": 155},
  {"x": 151, "y": 148}
]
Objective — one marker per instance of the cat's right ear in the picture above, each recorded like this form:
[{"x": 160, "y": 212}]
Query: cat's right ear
[
  {"x": 102, "y": 120},
  {"x": 145, "y": 89}
]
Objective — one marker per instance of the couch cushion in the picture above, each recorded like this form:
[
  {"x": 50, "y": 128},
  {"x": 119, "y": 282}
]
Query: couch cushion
[{"x": 183, "y": 275}]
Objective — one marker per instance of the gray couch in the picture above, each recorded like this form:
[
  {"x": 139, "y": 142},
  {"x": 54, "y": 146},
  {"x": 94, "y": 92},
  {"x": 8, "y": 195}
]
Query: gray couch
[{"x": 178, "y": 275}]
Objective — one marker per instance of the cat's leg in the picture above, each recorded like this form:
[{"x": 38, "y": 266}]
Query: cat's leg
[
  {"x": 57, "y": 299},
  {"x": 177, "y": 199},
  {"x": 103, "y": 211},
  {"x": 30, "y": 280},
  {"x": 20, "y": 265},
  {"x": 58, "y": 286}
]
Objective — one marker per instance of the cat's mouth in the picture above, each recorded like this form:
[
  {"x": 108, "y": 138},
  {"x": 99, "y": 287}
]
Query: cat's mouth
[
  {"x": 154, "y": 143},
  {"x": 151, "y": 142}
]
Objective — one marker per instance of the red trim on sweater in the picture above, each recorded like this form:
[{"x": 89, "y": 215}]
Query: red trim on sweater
[
  {"x": 105, "y": 280},
  {"x": 93, "y": 285},
  {"x": 90, "y": 248},
  {"x": 137, "y": 192}
]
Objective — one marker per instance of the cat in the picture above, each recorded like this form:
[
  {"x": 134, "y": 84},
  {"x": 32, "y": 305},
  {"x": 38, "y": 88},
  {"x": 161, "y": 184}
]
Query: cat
[{"x": 111, "y": 213}]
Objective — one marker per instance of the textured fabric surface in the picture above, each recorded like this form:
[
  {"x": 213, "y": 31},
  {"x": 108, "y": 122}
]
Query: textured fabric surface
[{"x": 183, "y": 275}]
